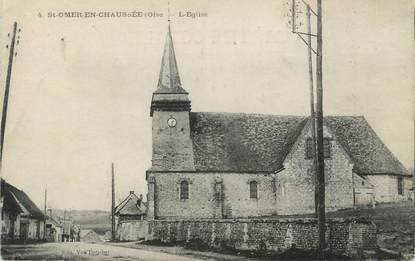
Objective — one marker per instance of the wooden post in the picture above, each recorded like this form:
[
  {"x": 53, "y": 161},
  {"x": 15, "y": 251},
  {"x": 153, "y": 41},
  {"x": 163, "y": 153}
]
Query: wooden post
[
  {"x": 112, "y": 204},
  {"x": 6, "y": 91},
  {"x": 64, "y": 226},
  {"x": 312, "y": 113},
  {"x": 319, "y": 134},
  {"x": 46, "y": 218}
]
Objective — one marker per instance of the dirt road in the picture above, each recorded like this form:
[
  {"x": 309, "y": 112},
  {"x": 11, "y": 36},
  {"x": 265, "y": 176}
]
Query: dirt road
[{"x": 84, "y": 251}]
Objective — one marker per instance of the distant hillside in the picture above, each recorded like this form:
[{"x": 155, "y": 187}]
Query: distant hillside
[{"x": 98, "y": 220}]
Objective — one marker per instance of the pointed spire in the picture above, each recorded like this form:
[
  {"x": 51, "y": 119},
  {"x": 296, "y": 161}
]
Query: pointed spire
[
  {"x": 169, "y": 79},
  {"x": 169, "y": 96}
]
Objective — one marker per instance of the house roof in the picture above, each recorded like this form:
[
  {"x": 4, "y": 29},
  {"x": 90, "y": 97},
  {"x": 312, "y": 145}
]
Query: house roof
[
  {"x": 24, "y": 200},
  {"x": 242, "y": 142},
  {"x": 11, "y": 204},
  {"x": 129, "y": 206},
  {"x": 369, "y": 154}
]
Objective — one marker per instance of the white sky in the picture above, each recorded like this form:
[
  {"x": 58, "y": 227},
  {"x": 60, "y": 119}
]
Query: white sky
[{"x": 81, "y": 88}]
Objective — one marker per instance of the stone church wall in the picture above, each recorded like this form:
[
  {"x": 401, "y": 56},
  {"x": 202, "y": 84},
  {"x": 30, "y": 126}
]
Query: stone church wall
[
  {"x": 386, "y": 188},
  {"x": 295, "y": 184},
  {"x": 203, "y": 201},
  {"x": 172, "y": 147}
]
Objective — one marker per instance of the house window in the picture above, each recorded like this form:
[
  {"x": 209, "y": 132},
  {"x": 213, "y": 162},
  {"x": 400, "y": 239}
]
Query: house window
[
  {"x": 184, "y": 190},
  {"x": 326, "y": 148},
  {"x": 253, "y": 189},
  {"x": 400, "y": 186}
]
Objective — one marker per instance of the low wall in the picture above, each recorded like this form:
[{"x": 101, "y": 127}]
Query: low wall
[{"x": 345, "y": 236}]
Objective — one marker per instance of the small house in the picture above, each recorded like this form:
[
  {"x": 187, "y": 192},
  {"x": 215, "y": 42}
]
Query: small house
[
  {"x": 130, "y": 217},
  {"x": 21, "y": 218},
  {"x": 10, "y": 215},
  {"x": 54, "y": 228}
]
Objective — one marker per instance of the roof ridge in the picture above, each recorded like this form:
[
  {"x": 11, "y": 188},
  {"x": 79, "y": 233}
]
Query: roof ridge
[
  {"x": 124, "y": 200},
  {"x": 125, "y": 203},
  {"x": 127, "y": 199},
  {"x": 276, "y": 115},
  {"x": 251, "y": 114}
]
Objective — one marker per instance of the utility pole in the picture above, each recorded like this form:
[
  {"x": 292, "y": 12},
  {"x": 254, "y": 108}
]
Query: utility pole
[
  {"x": 320, "y": 149},
  {"x": 295, "y": 23},
  {"x": 312, "y": 113},
  {"x": 317, "y": 115},
  {"x": 112, "y": 204},
  {"x": 64, "y": 226},
  {"x": 12, "y": 54},
  {"x": 44, "y": 224}
]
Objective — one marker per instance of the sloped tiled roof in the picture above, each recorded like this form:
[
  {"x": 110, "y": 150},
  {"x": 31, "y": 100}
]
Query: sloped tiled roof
[
  {"x": 369, "y": 154},
  {"x": 242, "y": 142},
  {"x": 11, "y": 204},
  {"x": 24, "y": 200},
  {"x": 235, "y": 142},
  {"x": 129, "y": 206}
]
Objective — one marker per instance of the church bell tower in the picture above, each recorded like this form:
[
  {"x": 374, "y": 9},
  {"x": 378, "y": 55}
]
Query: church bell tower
[{"x": 170, "y": 110}]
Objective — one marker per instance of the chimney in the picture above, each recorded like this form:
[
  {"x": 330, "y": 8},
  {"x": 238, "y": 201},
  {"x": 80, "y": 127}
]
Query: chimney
[{"x": 140, "y": 199}]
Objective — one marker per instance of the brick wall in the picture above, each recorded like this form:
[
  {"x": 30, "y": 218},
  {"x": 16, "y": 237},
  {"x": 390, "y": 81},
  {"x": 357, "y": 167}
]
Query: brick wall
[
  {"x": 344, "y": 236},
  {"x": 295, "y": 184}
]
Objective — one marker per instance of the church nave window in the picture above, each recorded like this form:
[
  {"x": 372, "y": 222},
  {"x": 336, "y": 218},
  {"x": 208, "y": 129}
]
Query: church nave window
[
  {"x": 253, "y": 190},
  {"x": 184, "y": 190}
]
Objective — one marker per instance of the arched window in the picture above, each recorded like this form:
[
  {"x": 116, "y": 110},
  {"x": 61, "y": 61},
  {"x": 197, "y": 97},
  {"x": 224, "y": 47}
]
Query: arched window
[
  {"x": 184, "y": 190},
  {"x": 253, "y": 189}
]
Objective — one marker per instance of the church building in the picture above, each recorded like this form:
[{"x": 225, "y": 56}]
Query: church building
[{"x": 237, "y": 165}]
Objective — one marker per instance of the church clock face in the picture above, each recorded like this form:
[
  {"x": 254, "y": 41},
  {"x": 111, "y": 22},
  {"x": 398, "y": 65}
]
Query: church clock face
[{"x": 171, "y": 122}]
